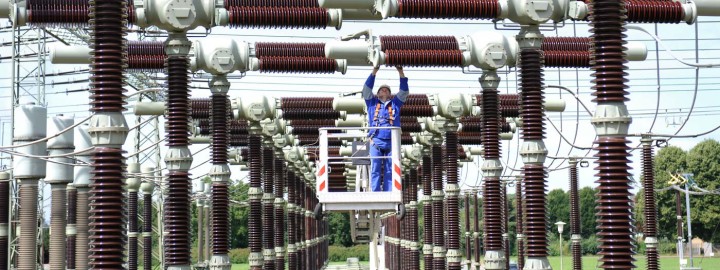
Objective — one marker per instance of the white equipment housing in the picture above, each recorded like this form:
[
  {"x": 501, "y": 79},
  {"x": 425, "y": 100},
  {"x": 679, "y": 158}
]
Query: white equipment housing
[{"x": 362, "y": 198}]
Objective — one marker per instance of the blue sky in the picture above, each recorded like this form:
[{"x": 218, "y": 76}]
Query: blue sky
[{"x": 674, "y": 82}]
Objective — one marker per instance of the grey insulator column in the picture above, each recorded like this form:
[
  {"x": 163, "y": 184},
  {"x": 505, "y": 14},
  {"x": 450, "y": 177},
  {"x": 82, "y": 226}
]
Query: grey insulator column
[
  {"x": 81, "y": 184},
  {"x": 59, "y": 175},
  {"x": 4, "y": 216},
  {"x": 31, "y": 126}
]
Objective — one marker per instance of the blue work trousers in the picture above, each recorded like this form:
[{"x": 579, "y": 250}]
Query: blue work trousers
[{"x": 380, "y": 166}]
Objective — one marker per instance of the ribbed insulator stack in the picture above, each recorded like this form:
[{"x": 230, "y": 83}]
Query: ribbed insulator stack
[
  {"x": 412, "y": 221},
  {"x": 305, "y": 140},
  {"x": 280, "y": 64},
  {"x": 421, "y": 51},
  {"x": 106, "y": 196},
  {"x": 305, "y": 113},
  {"x": 426, "y": 170},
  {"x": 417, "y": 100},
  {"x": 276, "y": 14},
  {"x": 490, "y": 137},
  {"x": 279, "y": 238},
  {"x": 406, "y": 139},
  {"x": 147, "y": 230},
  {"x": 313, "y": 122},
  {"x": 410, "y": 126},
  {"x": 476, "y": 127},
  {"x": 468, "y": 232},
  {"x": 452, "y": 200},
  {"x": 509, "y": 106},
  {"x": 291, "y": 57},
  {"x": 614, "y": 210},
  {"x": 504, "y": 215},
  {"x": 417, "y": 110},
  {"x": 292, "y": 225},
  {"x": 268, "y": 212},
  {"x": 567, "y": 59},
  {"x": 148, "y": 56},
  {"x": 438, "y": 209},
  {"x": 649, "y": 11},
  {"x": 200, "y": 108},
  {"x": 533, "y": 130},
  {"x": 519, "y": 224},
  {"x": 301, "y": 207},
  {"x": 428, "y": 9},
  {"x": 71, "y": 228},
  {"x": 470, "y": 138},
  {"x": 306, "y": 103},
  {"x": 255, "y": 195},
  {"x": 337, "y": 181},
  {"x": 235, "y": 127},
  {"x": 476, "y": 230},
  {"x": 575, "y": 247},
  {"x": 650, "y": 207},
  {"x": 4, "y": 218},
  {"x": 566, "y": 44},
  {"x": 64, "y": 13}
]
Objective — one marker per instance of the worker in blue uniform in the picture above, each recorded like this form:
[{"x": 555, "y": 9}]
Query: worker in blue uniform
[{"x": 383, "y": 111}]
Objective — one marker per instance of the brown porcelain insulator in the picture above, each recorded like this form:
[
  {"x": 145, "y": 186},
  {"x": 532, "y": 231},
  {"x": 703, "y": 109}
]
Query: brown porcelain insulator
[
  {"x": 306, "y": 103},
  {"x": 426, "y": 175},
  {"x": 133, "y": 228},
  {"x": 531, "y": 83},
  {"x": 650, "y": 207},
  {"x": 282, "y": 64},
  {"x": 292, "y": 256},
  {"x": 200, "y": 108},
  {"x": 107, "y": 57},
  {"x": 220, "y": 138},
  {"x": 491, "y": 124},
  {"x": 301, "y": 49},
  {"x": 614, "y": 210},
  {"x": 648, "y": 11},
  {"x": 476, "y": 226},
  {"x": 255, "y": 217},
  {"x": 424, "y": 58},
  {"x": 299, "y": 114},
  {"x": 574, "y": 201},
  {"x": 509, "y": 111},
  {"x": 438, "y": 209},
  {"x": 178, "y": 101},
  {"x": 519, "y": 223},
  {"x": 271, "y": 3},
  {"x": 567, "y": 59},
  {"x": 219, "y": 218},
  {"x": 408, "y": 127},
  {"x": 468, "y": 244},
  {"x": 148, "y": 56},
  {"x": 412, "y": 215},
  {"x": 278, "y": 17},
  {"x": 566, "y": 44},
  {"x": 504, "y": 215},
  {"x": 535, "y": 211},
  {"x": 107, "y": 215},
  {"x": 4, "y": 211},
  {"x": 147, "y": 228},
  {"x": 448, "y": 9},
  {"x": 418, "y": 43},
  {"x": 313, "y": 122},
  {"x": 492, "y": 219},
  {"x": 279, "y": 238},
  {"x": 609, "y": 63},
  {"x": 65, "y": 13},
  {"x": 417, "y": 110},
  {"x": 268, "y": 212},
  {"x": 453, "y": 211},
  {"x": 470, "y": 138},
  {"x": 177, "y": 222}
]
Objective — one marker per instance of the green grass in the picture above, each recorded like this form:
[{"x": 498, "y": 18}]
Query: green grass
[
  {"x": 590, "y": 263},
  {"x": 669, "y": 263}
]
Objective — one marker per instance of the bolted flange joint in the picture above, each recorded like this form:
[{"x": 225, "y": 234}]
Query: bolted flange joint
[
  {"x": 219, "y": 173},
  {"x": 178, "y": 158}
]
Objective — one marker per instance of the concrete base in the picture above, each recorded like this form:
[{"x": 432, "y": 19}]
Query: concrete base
[
  {"x": 537, "y": 263},
  {"x": 179, "y": 267}
]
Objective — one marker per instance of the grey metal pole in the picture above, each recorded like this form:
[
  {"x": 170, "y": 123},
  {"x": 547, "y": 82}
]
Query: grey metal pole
[{"x": 689, "y": 224}]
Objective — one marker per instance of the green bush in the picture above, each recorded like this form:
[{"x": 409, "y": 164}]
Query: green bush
[
  {"x": 239, "y": 255},
  {"x": 341, "y": 254},
  {"x": 667, "y": 247},
  {"x": 589, "y": 245}
]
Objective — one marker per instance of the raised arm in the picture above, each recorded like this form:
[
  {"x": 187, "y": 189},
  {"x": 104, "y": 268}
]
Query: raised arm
[
  {"x": 369, "y": 84},
  {"x": 404, "y": 88}
]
